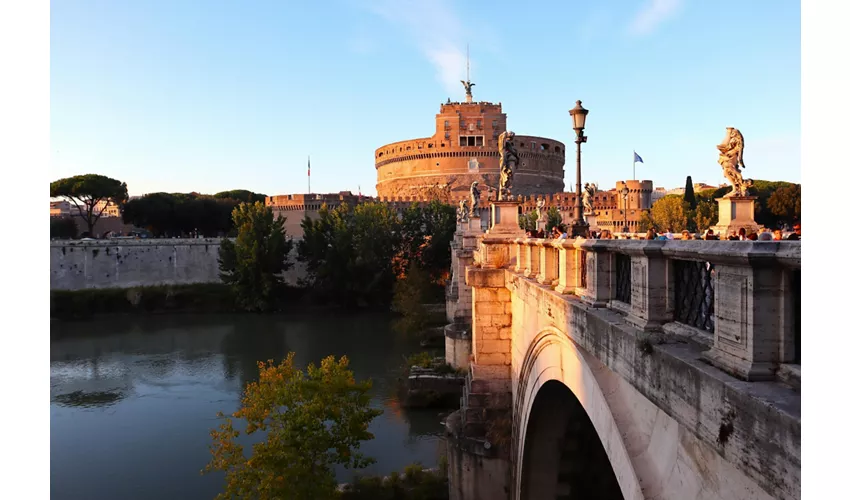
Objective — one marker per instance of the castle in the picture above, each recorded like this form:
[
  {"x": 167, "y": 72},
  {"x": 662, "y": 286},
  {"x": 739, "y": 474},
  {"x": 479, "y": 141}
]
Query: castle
[{"x": 464, "y": 148}]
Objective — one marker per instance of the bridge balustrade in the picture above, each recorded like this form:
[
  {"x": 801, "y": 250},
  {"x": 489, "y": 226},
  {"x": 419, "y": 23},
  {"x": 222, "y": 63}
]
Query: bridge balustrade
[{"x": 740, "y": 299}]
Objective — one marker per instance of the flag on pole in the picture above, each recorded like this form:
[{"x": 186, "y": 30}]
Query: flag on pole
[
  {"x": 637, "y": 157},
  {"x": 308, "y": 166}
]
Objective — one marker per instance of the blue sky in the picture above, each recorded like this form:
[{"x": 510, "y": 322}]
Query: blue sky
[{"x": 203, "y": 95}]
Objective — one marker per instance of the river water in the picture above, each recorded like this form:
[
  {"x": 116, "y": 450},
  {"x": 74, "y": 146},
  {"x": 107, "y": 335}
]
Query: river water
[{"x": 132, "y": 400}]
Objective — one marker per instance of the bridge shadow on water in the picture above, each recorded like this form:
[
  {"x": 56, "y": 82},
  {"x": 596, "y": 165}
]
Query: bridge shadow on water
[{"x": 564, "y": 457}]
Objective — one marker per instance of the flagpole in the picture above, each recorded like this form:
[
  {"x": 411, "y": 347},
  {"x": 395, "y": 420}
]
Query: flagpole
[
  {"x": 309, "y": 191},
  {"x": 633, "y": 165}
]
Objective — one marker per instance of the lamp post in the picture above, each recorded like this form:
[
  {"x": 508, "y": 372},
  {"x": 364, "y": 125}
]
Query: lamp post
[
  {"x": 625, "y": 208},
  {"x": 579, "y": 114}
]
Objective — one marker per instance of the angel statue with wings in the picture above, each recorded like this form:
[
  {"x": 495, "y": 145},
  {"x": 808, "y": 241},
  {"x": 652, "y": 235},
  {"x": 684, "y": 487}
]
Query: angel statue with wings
[
  {"x": 475, "y": 199},
  {"x": 462, "y": 212},
  {"x": 509, "y": 158}
]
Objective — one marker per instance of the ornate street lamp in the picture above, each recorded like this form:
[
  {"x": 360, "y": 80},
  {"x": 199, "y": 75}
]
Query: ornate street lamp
[
  {"x": 625, "y": 193},
  {"x": 579, "y": 114}
]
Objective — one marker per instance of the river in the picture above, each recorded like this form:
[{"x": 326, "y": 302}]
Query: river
[{"x": 132, "y": 399}]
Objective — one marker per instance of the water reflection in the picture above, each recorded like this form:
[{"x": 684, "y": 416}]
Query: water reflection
[{"x": 133, "y": 401}]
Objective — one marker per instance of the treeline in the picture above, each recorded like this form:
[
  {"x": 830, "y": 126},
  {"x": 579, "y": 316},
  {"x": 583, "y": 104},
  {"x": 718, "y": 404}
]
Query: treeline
[
  {"x": 777, "y": 203},
  {"x": 354, "y": 256},
  {"x": 180, "y": 214}
]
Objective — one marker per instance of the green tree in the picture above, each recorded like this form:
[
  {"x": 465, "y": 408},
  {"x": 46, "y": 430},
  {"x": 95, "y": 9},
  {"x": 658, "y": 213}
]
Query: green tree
[
  {"x": 87, "y": 191},
  {"x": 690, "y": 197},
  {"x": 352, "y": 254},
  {"x": 785, "y": 203},
  {"x": 645, "y": 223},
  {"x": 426, "y": 234},
  {"x": 528, "y": 221},
  {"x": 240, "y": 195},
  {"x": 254, "y": 262},
  {"x": 553, "y": 218},
  {"x": 153, "y": 211},
  {"x": 670, "y": 212},
  {"x": 313, "y": 421},
  {"x": 63, "y": 228},
  {"x": 410, "y": 295},
  {"x": 705, "y": 214},
  {"x": 763, "y": 190},
  {"x": 176, "y": 214}
]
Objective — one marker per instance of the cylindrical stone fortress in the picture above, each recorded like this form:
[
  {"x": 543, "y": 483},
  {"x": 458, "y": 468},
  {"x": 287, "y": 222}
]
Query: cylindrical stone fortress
[{"x": 464, "y": 148}]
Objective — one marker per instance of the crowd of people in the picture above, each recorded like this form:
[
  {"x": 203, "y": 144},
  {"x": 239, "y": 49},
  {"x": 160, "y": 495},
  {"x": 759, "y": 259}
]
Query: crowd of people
[{"x": 764, "y": 234}]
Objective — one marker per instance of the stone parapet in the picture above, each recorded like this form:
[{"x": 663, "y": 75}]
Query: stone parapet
[
  {"x": 743, "y": 294},
  {"x": 755, "y": 426}
]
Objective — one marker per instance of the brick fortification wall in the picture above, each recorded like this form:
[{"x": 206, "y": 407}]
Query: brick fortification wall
[{"x": 77, "y": 265}]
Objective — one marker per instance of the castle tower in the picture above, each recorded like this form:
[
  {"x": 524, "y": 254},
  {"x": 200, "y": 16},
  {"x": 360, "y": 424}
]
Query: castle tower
[{"x": 464, "y": 148}]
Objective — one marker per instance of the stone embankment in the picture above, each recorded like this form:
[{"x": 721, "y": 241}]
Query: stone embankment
[
  {"x": 432, "y": 388},
  {"x": 81, "y": 265}
]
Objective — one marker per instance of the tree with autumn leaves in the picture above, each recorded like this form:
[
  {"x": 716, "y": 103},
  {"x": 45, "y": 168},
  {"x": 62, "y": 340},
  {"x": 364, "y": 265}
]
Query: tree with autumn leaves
[{"x": 313, "y": 420}]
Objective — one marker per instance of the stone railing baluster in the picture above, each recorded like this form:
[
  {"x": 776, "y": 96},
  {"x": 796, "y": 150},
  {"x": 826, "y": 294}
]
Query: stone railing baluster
[
  {"x": 533, "y": 255},
  {"x": 598, "y": 273},
  {"x": 566, "y": 266},
  {"x": 548, "y": 274}
]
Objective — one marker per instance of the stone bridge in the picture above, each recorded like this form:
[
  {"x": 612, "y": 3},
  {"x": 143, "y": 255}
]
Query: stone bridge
[{"x": 624, "y": 369}]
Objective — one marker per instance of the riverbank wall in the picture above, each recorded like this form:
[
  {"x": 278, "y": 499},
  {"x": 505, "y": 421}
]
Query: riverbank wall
[{"x": 83, "y": 265}]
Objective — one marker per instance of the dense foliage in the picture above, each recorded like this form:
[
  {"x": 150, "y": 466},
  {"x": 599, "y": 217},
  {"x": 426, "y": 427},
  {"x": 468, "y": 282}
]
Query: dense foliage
[
  {"x": 690, "y": 196},
  {"x": 253, "y": 263},
  {"x": 776, "y": 203},
  {"x": 670, "y": 212},
  {"x": 354, "y": 256},
  {"x": 426, "y": 234},
  {"x": 63, "y": 228},
  {"x": 415, "y": 484},
  {"x": 409, "y": 299},
  {"x": 313, "y": 421},
  {"x": 553, "y": 218},
  {"x": 86, "y": 191},
  {"x": 179, "y": 214},
  {"x": 784, "y": 203},
  {"x": 528, "y": 221},
  {"x": 240, "y": 195}
]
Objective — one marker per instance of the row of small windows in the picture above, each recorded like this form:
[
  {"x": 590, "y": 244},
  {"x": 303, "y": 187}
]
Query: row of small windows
[
  {"x": 478, "y": 123},
  {"x": 469, "y": 140}
]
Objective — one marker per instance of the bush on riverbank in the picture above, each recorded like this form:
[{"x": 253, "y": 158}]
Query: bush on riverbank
[
  {"x": 415, "y": 483},
  {"x": 253, "y": 263}
]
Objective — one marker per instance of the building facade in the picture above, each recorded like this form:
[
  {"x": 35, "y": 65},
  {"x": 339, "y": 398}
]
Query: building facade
[{"x": 464, "y": 148}]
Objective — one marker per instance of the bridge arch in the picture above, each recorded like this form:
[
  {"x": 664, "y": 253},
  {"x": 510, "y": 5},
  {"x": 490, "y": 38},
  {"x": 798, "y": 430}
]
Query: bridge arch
[{"x": 556, "y": 394}]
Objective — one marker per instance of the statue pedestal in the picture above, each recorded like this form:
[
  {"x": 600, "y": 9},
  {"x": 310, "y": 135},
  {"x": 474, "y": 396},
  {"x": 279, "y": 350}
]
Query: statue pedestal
[
  {"x": 591, "y": 221},
  {"x": 734, "y": 213},
  {"x": 504, "y": 219},
  {"x": 541, "y": 224},
  {"x": 474, "y": 225}
]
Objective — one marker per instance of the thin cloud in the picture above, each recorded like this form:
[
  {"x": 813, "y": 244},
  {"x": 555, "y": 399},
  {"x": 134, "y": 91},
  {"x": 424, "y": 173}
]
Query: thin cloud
[
  {"x": 652, "y": 15},
  {"x": 436, "y": 30}
]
